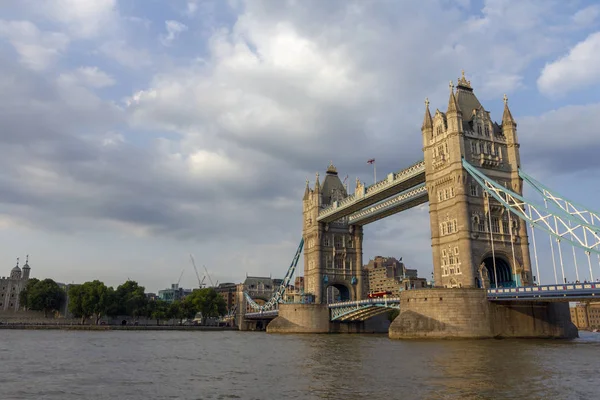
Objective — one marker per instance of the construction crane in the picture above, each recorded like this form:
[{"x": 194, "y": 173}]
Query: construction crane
[
  {"x": 200, "y": 283},
  {"x": 180, "y": 275}
]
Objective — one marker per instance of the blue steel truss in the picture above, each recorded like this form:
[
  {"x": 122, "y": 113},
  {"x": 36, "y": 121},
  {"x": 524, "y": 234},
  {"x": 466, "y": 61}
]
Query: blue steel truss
[
  {"x": 574, "y": 209},
  {"x": 277, "y": 296},
  {"x": 558, "y": 223},
  {"x": 361, "y": 310}
]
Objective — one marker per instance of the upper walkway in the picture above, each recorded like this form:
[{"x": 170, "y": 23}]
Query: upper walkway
[{"x": 394, "y": 183}]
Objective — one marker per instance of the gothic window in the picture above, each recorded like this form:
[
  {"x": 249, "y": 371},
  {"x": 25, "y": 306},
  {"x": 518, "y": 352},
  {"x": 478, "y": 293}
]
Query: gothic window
[
  {"x": 489, "y": 148},
  {"x": 492, "y": 149},
  {"x": 454, "y": 226},
  {"x": 505, "y": 227},
  {"x": 452, "y": 192},
  {"x": 349, "y": 264},
  {"x": 444, "y": 253},
  {"x": 439, "y": 130},
  {"x": 481, "y": 225},
  {"x": 441, "y": 152},
  {"x": 473, "y": 190},
  {"x": 487, "y": 130},
  {"x": 479, "y": 148},
  {"x": 458, "y": 270},
  {"x": 327, "y": 261},
  {"x": 479, "y": 129},
  {"x": 326, "y": 241},
  {"x": 456, "y": 250},
  {"x": 440, "y": 198},
  {"x": 495, "y": 225},
  {"x": 445, "y": 194},
  {"x": 473, "y": 147},
  {"x": 338, "y": 241},
  {"x": 484, "y": 148},
  {"x": 499, "y": 151},
  {"x": 451, "y": 259},
  {"x": 349, "y": 242},
  {"x": 339, "y": 262},
  {"x": 446, "y": 148}
]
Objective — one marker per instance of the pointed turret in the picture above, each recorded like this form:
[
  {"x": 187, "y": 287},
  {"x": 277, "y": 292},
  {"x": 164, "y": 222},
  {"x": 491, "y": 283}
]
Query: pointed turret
[
  {"x": 306, "y": 191},
  {"x": 452, "y": 103},
  {"x": 507, "y": 118},
  {"x": 427, "y": 121},
  {"x": 317, "y": 184},
  {"x": 26, "y": 268}
]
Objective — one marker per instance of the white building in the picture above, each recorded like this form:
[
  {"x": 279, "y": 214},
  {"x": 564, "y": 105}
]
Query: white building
[{"x": 10, "y": 287}]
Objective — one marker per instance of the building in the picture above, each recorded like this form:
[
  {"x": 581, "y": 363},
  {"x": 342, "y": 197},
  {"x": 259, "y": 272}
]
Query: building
[
  {"x": 227, "y": 291},
  {"x": 387, "y": 274},
  {"x": 586, "y": 316},
  {"x": 174, "y": 293},
  {"x": 463, "y": 220},
  {"x": 11, "y": 286}
]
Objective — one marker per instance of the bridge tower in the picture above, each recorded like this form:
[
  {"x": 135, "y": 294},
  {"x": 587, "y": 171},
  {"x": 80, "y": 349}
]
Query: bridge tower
[
  {"x": 475, "y": 241},
  {"x": 332, "y": 251}
]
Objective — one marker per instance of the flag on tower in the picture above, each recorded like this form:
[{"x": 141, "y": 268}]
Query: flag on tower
[{"x": 371, "y": 161}]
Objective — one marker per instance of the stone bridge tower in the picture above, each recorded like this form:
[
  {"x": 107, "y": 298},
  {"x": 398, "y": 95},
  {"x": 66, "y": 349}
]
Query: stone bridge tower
[
  {"x": 463, "y": 219},
  {"x": 332, "y": 251}
]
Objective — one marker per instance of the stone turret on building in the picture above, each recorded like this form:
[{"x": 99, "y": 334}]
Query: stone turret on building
[{"x": 11, "y": 286}]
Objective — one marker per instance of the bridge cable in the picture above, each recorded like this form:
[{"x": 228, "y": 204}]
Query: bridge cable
[
  {"x": 552, "y": 249},
  {"x": 489, "y": 211},
  {"x": 575, "y": 260},
  {"x": 512, "y": 246},
  {"x": 537, "y": 266},
  {"x": 562, "y": 268}
]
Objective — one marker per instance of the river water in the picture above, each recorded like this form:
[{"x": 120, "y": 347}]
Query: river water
[{"x": 135, "y": 365}]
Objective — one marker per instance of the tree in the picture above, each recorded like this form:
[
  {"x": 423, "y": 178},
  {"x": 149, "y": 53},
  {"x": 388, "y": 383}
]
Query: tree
[
  {"x": 206, "y": 301},
  {"x": 76, "y": 302},
  {"x": 95, "y": 299},
  {"x": 158, "y": 310},
  {"x": 24, "y": 293},
  {"x": 131, "y": 299},
  {"x": 45, "y": 296}
]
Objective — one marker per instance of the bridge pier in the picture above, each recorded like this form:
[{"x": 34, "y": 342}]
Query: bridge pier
[{"x": 466, "y": 313}]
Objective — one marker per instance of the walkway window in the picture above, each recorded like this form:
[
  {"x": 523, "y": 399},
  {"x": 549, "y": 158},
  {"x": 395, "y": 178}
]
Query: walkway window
[{"x": 495, "y": 225}]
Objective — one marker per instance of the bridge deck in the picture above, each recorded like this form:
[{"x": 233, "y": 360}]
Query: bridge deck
[{"x": 566, "y": 292}]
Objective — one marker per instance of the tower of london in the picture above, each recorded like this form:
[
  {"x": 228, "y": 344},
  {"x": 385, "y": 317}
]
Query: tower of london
[{"x": 11, "y": 286}]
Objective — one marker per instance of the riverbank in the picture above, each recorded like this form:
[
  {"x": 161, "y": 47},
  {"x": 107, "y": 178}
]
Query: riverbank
[{"x": 117, "y": 327}]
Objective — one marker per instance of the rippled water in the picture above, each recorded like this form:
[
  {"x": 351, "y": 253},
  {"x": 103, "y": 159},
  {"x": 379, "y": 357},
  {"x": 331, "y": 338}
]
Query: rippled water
[{"x": 253, "y": 365}]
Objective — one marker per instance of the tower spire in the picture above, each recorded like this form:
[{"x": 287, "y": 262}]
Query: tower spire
[
  {"x": 427, "y": 121},
  {"x": 507, "y": 117},
  {"x": 306, "y": 190},
  {"x": 17, "y": 261},
  {"x": 452, "y": 103}
]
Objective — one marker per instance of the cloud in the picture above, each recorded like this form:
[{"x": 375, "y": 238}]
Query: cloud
[
  {"x": 586, "y": 16},
  {"x": 174, "y": 29},
  {"x": 83, "y": 19},
  {"x": 568, "y": 134},
  {"x": 37, "y": 49},
  {"x": 88, "y": 76},
  {"x": 579, "y": 68},
  {"x": 126, "y": 55}
]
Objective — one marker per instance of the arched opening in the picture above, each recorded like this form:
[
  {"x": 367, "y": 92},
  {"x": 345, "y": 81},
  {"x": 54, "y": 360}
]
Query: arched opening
[
  {"x": 503, "y": 272},
  {"x": 337, "y": 292}
]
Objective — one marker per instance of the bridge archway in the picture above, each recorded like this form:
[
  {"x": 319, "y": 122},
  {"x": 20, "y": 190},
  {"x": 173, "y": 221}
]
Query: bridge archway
[
  {"x": 337, "y": 292},
  {"x": 503, "y": 272}
]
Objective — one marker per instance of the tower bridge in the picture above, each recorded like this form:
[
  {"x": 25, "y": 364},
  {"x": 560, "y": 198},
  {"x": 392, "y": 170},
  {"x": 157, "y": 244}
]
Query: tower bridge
[{"x": 471, "y": 177}]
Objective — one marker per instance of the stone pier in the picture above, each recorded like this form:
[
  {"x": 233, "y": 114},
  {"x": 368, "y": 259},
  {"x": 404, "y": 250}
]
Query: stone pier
[
  {"x": 466, "y": 313},
  {"x": 314, "y": 318}
]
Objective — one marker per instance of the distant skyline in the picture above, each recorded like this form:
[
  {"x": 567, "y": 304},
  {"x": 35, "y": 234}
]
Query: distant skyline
[{"x": 137, "y": 132}]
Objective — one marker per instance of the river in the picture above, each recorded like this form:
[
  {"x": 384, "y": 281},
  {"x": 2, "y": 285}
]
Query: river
[{"x": 136, "y": 365}]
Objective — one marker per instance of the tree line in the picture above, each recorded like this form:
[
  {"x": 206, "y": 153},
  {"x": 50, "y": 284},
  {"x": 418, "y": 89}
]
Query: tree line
[{"x": 94, "y": 300}]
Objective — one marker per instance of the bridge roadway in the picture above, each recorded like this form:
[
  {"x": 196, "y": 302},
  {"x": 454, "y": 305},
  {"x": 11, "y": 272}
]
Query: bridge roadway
[
  {"x": 395, "y": 183},
  {"x": 362, "y": 310}
]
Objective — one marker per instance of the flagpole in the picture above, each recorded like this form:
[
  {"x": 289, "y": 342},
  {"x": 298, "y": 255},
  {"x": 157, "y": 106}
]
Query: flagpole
[{"x": 374, "y": 172}]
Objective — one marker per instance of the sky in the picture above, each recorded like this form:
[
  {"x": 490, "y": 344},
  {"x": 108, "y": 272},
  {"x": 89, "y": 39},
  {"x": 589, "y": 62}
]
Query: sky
[{"x": 136, "y": 132}]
